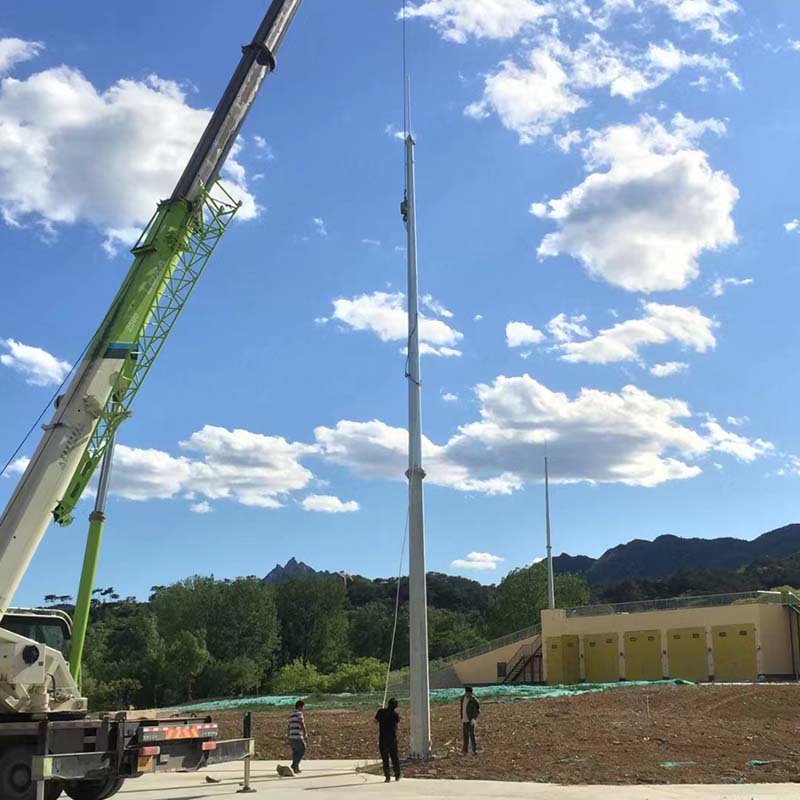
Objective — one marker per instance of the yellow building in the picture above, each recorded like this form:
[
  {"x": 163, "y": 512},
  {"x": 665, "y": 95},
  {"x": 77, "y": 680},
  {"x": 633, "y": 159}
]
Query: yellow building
[{"x": 744, "y": 637}]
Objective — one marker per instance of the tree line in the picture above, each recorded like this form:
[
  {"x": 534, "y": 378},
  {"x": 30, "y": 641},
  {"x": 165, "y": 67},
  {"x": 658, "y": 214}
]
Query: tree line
[{"x": 208, "y": 638}]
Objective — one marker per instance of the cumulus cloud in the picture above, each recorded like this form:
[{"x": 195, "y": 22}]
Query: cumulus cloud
[
  {"x": 328, "y": 504},
  {"x": 629, "y": 437},
  {"x": 565, "y": 328},
  {"x": 792, "y": 225},
  {"x": 251, "y": 469},
  {"x": 39, "y": 367},
  {"x": 720, "y": 285},
  {"x": 203, "y": 507},
  {"x": 449, "y": 397},
  {"x": 17, "y": 467},
  {"x": 519, "y": 334},
  {"x": 460, "y": 20},
  {"x": 435, "y": 307},
  {"x": 710, "y": 16},
  {"x": 15, "y": 51},
  {"x": 659, "y": 325},
  {"x": 319, "y": 226},
  {"x": 643, "y": 223},
  {"x": 383, "y": 314},
  {"x": 72, "y": 153},
  {"x": 530, "y": 99},
  {"x": 371, "y": 242},
  {"x": 477, "y": 561},
  {"x": 669, "y": 368}
]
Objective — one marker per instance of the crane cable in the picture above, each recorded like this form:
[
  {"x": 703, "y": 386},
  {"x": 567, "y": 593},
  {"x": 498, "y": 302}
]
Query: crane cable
[{"x": 406, "y": 132}]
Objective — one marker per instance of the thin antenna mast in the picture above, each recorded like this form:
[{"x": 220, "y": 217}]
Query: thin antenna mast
[
  {"x": 418, "y": 596},
  {"x": 551, "y": 591}
]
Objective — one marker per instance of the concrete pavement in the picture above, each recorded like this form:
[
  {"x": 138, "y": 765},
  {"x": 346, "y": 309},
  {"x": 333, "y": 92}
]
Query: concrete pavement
[{"x": 340, "y": 779}]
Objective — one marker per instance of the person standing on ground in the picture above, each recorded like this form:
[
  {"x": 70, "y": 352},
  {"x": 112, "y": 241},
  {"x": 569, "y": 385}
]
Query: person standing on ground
[
  {"x": 388, "y": 719},
  {"x": 470, "y": 709},
  {"x": 297, "y": 736}
]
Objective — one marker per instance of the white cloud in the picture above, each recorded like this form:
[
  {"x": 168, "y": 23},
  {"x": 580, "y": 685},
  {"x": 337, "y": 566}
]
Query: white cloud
[
  {"x": 328, "y": 504},
  {"x": 792, "y": 225},
  {"x": 737, "y": 421},
  {"x": 264, "y": 148},
  {"x": 564, "y": 329},
  {"x": 383, "y": 314},
  {"x": 459, "y": 20},
  {"x": 703, "y": 15},
  {"x": 566, "y": 141},
  {"x": 530, "y": 99},
  {"x": 794, "y": 44},
  {"x": 669, "y": 368},
  {"x": 394, "y": 132},
  {"x": 15, "y": 51},
  {"x": 519, "y": 334},
  {"x": 554, "y": 83},
  {"x": 248, "y": 468},
  {"x": 70, "y": 153},
  {"x": 371, "y": 242},
  {"x": 477, "y": 318},
  {"x": 477, "y": 561},
  {"x": 319, "y": 226},
  {"x": 719, "y": 286},
  {"x": 435, "y": 307},
  {"x": 39, "y": 367},
  {"x": 659, "y": 325},
  {"x": 642, "y": 224},
  {"x": 203, "y": 507},
  {"x": 17, "y": 467},
  {"x": 629, "y": 437},
  {"x": 733, "y": 444},
  {"x": 449, "y": 397}
]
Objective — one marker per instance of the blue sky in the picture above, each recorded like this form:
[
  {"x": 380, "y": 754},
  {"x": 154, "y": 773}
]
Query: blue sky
[{"x": 607, "y": 239}]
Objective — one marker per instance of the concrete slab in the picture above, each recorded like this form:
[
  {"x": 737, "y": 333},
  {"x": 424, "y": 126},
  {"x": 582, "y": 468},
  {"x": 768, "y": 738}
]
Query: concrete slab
[{"x": 341, "y": 780}]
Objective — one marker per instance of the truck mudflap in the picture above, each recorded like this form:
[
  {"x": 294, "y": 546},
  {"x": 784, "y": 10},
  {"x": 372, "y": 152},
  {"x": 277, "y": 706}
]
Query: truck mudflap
[{"x": 181, "y": 755}]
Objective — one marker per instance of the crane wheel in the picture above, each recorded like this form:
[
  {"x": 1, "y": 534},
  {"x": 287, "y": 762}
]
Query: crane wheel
[
  {"x": 94, "y": 790},
  {"x": 15, "y": 776}
]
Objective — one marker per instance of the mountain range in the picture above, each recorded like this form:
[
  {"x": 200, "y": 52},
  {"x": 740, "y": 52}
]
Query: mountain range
[{"x": 668, "y": 554}]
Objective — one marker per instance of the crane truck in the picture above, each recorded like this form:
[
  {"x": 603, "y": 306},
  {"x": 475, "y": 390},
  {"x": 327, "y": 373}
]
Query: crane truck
[{"x": 49, "y": 740}]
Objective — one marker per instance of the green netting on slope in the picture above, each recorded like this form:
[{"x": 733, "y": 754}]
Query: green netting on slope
[{"x": 502, "y": 694}]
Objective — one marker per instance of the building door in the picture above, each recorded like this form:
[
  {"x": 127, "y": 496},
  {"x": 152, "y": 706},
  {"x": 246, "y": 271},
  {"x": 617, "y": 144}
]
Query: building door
[
  {"x": 571, "y": 659},
  {"x": 643, "y": 656},
  {"x": 602, "y": 658},
  {"x": 734, "y": 650},
  {"x": 686, "y": 654},
  {"x": 555, "y": 661}
]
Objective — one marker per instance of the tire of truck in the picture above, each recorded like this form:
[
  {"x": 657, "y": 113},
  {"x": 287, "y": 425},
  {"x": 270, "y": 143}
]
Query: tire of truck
[
  {"x": 15, "y": 776},
  {"x": 94, "y": 790}
]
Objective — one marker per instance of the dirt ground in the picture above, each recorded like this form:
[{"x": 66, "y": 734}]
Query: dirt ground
[{"x": 664, "y": 734}]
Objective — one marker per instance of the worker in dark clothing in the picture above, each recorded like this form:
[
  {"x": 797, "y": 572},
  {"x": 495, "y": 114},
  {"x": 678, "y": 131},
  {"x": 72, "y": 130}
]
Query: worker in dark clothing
[
  {"x": 470, "y": 709},
  {"x": 388, "y": 719}
]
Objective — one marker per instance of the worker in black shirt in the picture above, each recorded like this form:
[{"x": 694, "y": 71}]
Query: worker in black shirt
[{"x": 387, "y": 719}]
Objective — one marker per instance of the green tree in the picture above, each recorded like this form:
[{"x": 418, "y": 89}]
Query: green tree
[
  {"x": 363, "y": 675},
  {"x": 313, "y": 622},
  {"x": 186, "y": 657},
  {"x": 370, "y": 630},
  {"x": 450, "y": 632},
  {"x": 299, "y": 677},
  {"x": 522, "y": 594}
]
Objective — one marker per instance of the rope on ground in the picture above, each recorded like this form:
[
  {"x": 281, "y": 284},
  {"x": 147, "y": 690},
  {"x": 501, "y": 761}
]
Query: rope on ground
[{"x": 396, "y": 612}]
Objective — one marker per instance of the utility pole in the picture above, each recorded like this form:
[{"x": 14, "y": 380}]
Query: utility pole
[
  {"x": 418, "y": 594},
  {"x": 551, "y": 589}
]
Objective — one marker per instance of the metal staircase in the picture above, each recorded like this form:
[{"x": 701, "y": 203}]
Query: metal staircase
[{"x": 526, "y": 664}]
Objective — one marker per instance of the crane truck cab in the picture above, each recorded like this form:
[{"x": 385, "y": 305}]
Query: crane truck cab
[{"x": 87, "y": 755}]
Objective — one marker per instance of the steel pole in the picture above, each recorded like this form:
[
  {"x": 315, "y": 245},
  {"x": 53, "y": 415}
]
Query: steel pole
[
  {"x": 551, "y": 589},
  {"x": 418, "y": 597},
  {"x": 83, "y": 604}
]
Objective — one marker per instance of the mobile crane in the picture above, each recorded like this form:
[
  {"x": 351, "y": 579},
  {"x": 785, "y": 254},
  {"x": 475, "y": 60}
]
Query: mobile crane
[{"x": 47, "y": 735}]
